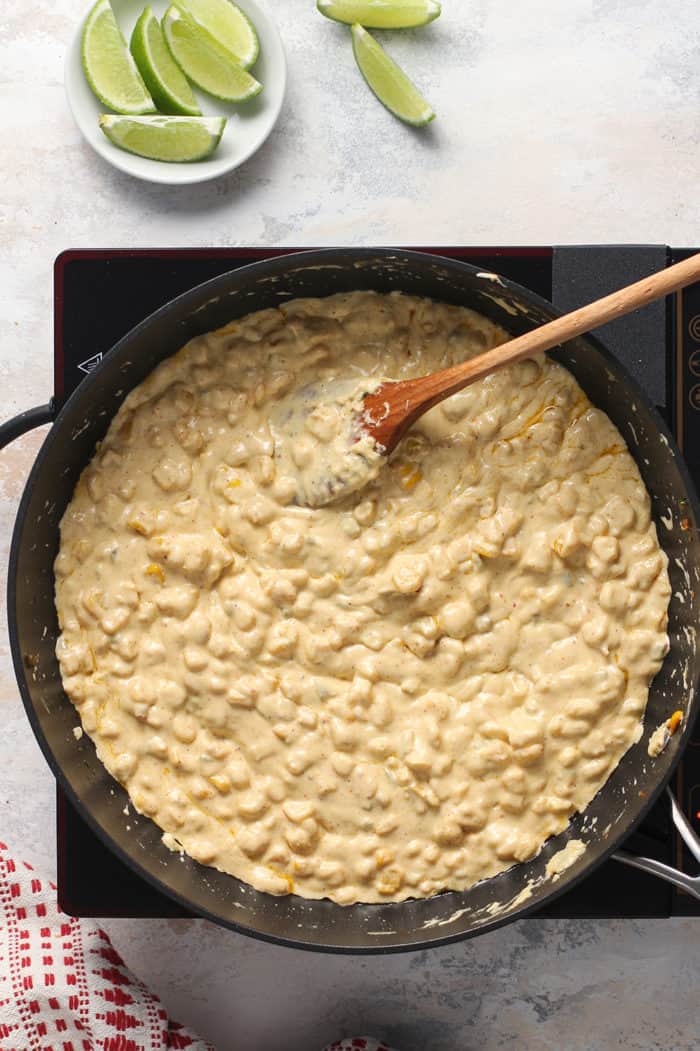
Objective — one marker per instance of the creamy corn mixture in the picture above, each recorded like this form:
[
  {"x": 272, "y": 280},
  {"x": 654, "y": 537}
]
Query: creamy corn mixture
[
  {"x": 332, "y": 454},
  {"x": 405, "y": 691}
]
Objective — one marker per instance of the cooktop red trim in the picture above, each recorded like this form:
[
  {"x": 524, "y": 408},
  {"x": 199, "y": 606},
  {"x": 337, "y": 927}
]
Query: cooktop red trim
[{"x": 71, "y": 255}]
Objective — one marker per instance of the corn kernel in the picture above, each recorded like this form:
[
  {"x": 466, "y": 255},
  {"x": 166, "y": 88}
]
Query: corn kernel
[
  {"x": 674, "y": 722},
  {"x": 283, "y": 875},
  {"x": 383, "y": 858},
  {"x": 410, "y": 475},
  {"x": 220, "y": 782}
]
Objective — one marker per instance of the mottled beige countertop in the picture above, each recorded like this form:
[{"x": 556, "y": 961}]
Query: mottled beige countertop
[{"x": 573, "y": 122}]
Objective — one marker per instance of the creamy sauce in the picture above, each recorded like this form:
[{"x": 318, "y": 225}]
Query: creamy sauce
[
  {"x": 497, "y": 908},
  {"x": 321, "y": 442},
  {"x": 663, "y": 734},
  {"x": 405, "y": 691},
  {"x": 563, "y": 859},
  {"x": 658, "y": 740}
]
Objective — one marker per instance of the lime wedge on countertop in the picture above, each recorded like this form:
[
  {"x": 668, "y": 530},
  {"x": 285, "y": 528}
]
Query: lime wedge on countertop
[
  {"x": 381, "y": 14},
  {"x": 229, "y": 26},
  {"x": 109, "y": 68},
  {"x": 164, "y": 138},
  {"x": 204, "y": 61},
  {"x": 164, "y": 79},
  {"x": 388, "y": 82}
]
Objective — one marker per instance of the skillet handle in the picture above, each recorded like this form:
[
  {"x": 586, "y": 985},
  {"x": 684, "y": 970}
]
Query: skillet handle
[
  {"x": 690, "y": 884},
  {"x": 26, "y": 421}
]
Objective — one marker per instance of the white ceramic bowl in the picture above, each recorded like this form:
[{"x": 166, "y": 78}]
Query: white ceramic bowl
[{"x": 248, "y": 125}]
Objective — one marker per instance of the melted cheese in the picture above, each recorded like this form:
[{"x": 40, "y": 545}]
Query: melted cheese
[
  {"x": 320, "y": 440},
  {"x": 405, "y": 691}
]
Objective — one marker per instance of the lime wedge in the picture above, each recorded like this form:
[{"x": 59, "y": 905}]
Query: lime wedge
[
  {"x": 109, "y": 68},
  {"x": 388, "y": 82},
  {"x": 381, "y": 14},
  {"x": 164, "y": 79},
  {"x": 204, "y": 61},
  {"x": 229, "y": 26},
  {"x": 165, "y": 138}
]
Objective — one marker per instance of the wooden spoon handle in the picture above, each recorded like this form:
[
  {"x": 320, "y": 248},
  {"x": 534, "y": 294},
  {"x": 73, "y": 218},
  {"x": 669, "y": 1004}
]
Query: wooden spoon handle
[{"x": 411, "y": 398}]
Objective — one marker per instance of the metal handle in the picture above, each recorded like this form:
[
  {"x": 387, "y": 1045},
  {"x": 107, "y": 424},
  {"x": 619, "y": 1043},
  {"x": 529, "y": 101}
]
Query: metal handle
[
  {"x": 690, "y": 884},
  {"x": 26, "y": 421},
  {"x": 684, "y": 827}
]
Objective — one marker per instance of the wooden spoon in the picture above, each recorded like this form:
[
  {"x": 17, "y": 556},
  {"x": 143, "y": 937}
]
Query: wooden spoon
[{"x": 389, "y": 411}]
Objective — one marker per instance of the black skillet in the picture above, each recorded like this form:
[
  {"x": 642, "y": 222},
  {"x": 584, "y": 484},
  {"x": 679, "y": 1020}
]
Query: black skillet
[{"x": 322, "y": 925}]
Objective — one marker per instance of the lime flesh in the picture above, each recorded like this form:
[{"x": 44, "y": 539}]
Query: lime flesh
[
  {"x": 109, "y": 68},
  {"x": 164, "y": 79},
  {"x": 165, "y": 138},
  {"x": 204, "y": 61},
  {"x": 388, "y": 82},
  {"x": 229, "y": 26},
  {"x": 381, "y": 14}
]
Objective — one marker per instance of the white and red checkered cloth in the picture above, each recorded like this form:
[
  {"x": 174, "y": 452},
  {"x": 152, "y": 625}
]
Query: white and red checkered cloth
[
  {"x": 64, "y": 988},
  {"x": 62, "y": 985}
]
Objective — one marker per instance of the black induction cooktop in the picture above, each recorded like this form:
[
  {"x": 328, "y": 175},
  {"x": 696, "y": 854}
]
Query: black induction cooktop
[{"x": 100, "y": 294}]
